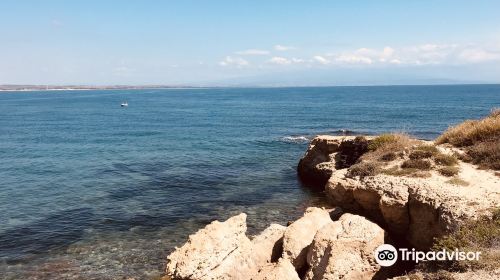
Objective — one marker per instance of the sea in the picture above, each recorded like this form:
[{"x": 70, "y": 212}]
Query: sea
[{"x": 93, "y": 190}]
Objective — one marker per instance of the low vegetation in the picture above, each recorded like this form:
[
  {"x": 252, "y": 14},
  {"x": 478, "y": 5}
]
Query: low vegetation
[
  {"x": 449, "y": 171},
  {"x": 482, "y": 235},
  {"x": 443, "y": 159},
  {"x": 479, "y": 138},
  {"x": 458, "y": 182},
  {"x": 414, "y": 158},
  {"x": 363, "y": 169},
  {"x": 420, "y": 164}
]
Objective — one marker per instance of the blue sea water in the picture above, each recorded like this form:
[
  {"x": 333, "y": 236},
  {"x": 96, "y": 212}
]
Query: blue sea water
[{"x": 92, "y": 190}]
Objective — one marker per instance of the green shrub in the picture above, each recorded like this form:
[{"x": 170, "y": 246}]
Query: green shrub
[
  {"x": 447, "y": 160},
  {"x": 480, "y": 235},
  {"x": 363, "y": 169},
  {"x": 418, "y": 154},
  {"x": 420, "y": 164},
  {"x": 390, "y": 156},
  {"x": 449, "y": 171}
]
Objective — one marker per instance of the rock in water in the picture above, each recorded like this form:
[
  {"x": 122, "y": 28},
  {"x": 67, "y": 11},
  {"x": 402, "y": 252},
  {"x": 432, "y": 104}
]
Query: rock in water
[
  {"x": 223, "y": 251},
  {"x": 208, "y": 248},
  {"x": 344, "y": 249}
]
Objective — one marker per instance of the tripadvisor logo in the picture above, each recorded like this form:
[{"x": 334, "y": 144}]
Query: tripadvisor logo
[{"x": 387, "y": 255}]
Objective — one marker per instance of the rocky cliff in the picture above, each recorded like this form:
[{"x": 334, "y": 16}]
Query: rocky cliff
[
  {"x": 384, "y": 189},
  {"x": 419, "y": 208}
]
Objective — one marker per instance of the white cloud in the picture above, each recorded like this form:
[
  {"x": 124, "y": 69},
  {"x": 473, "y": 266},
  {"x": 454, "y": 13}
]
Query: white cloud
[
  {"x": 297, "y": 60},
  {"x": 280, "y": 60},
  {"x": 282, "y": 48},
  {"x": 353, "y": 59},
  {"x": 477, "y": 55},
  {"x": 253, "y": 52},
  {"x": 234, "y": 61},
  {"x": 321, "y": 60}
]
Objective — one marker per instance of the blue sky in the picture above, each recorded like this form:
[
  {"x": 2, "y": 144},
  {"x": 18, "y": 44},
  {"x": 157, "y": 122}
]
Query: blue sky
[{"x": 249, "y": 42}]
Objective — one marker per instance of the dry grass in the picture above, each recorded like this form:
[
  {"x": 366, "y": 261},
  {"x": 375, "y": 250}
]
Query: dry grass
[
  {"x": 448, "y": 160},
  {"x": 449, "y": 171},
  {"x": 396, "y": 141},
  {"x": 407, "y": 172},
  {"x": 481, "y": 235},
  {"x": 458, "y": 182},
  {"x": 420, "y": 164},
  {"x": 471, "y": 132},
  {"x": 486, "y": 154},
  {"x": 387, "y": 147},
  {"x": 480, "y": 138},
  {"x": 363, "y": 169}
]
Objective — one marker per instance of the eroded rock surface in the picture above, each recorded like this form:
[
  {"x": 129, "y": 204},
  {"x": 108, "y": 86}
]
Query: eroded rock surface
[
  {"x": 419, "y": 209},
  {"x": 344, "y": 249},
  {"x": 281, "y": 270},
  {"x": 300, "y": 234},
  {"x": 318, "y": 163},
  {"x": 208, "y": 248}
]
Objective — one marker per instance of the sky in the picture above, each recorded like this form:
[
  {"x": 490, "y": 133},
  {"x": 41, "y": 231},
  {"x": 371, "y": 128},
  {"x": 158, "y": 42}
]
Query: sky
[{"x": 249, "y": 43}]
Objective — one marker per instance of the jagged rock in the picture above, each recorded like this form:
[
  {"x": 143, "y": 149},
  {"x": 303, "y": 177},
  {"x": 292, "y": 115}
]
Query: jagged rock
[
  {"x": 282, "y": 270},
  {"x": 268, "y": 246},
  {"x": 208, "y": 248},
  {"x": 419, "y": 209},
  {"x": 344, "y": 249},
  {"x": 299, "y": 235},
  {"x": 222, "y": 251},
  {"x": 318, "y": 162},
  {"x": 264, "y": 248}
]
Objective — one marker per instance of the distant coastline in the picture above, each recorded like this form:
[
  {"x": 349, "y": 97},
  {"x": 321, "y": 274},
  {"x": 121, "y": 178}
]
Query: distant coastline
[
  {"x": 27, "y": 88},
  {"x": 85, "y": 87}
]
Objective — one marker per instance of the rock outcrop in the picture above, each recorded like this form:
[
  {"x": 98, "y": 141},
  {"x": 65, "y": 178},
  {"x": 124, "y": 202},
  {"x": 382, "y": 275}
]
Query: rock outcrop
[
  {"x": 222, "y": 251},
  {"x": 344, "y": 249},
  {"x": 314, "y": 244},
  {"x": 206, "y": 250},
  {"x": 418, "y": 209},
  {"x": 283, "y": 269},
  {"x": 300, "y": 234},
  {"x": 317, "y": 164}
]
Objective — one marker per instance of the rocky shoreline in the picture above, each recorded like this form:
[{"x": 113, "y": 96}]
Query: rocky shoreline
[{"x": 404, "y": 194}]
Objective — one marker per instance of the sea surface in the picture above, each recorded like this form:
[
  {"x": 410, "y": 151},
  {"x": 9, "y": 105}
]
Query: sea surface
[{"x": 90, "y": 190}]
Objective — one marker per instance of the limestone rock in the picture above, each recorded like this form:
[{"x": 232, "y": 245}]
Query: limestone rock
[
  {"x": 344, "y": 249},
  {"x": 282, "y": 270},
  {"x": 299, "y": 235},
  {"x": 208, "y": 248},
  {"x": 222, "y": 251},
  {"x": 264, "y": 248},
  {"x": 418, "y": 208},
  {"x": 318, "y": 162}
]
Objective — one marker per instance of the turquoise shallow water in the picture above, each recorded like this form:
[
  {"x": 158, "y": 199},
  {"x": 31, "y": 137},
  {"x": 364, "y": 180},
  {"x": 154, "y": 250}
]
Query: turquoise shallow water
[{"x": 92, "y": 190}]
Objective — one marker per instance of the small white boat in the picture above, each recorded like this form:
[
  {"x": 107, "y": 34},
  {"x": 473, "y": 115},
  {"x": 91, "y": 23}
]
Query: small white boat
[{"x": 124, "y": 104}]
